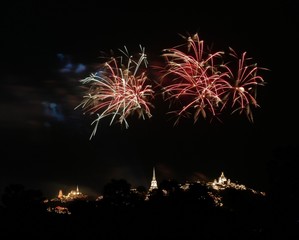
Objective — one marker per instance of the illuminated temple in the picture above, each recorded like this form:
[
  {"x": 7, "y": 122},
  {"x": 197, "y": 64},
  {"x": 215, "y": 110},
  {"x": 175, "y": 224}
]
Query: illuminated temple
[
  {"x": 154, "y": 184},
  {"x": 223, "y": 183},
  {"x": 72, "y": 195},
  {"x": 58, "y": 204}
]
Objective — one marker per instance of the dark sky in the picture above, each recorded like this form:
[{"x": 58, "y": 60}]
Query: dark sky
[{"x": 47, "y": 48}]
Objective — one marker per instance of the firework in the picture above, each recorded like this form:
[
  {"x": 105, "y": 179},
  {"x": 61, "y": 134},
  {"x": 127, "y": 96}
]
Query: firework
[
  {"x": 118, "y": 90},
  {"x": 243, "y": 84},
  {"x": 201, "y": 83}
]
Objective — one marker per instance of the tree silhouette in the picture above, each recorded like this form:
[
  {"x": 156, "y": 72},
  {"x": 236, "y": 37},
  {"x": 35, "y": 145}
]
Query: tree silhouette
[
  {"x": 170, "y": 187},
  {"x": 17, "y": 198},
  {"x": 117, "y": 193},
  {"x": 23, "y": 212}
]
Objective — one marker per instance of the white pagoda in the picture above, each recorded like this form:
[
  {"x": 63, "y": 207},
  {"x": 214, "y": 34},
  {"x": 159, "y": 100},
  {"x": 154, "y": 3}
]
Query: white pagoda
[{"x": 154, "y": 184}]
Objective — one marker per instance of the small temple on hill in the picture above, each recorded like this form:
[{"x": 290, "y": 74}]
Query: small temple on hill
[
  {"x": 57, "y": 204},
  {"x": 72, "y": 195}
]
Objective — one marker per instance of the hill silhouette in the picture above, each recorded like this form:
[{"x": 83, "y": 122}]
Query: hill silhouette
[{"x": 173, "y": 211}]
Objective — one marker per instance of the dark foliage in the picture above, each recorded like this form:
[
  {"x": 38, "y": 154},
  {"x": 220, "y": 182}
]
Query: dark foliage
[{"x": 168, "y": 212}]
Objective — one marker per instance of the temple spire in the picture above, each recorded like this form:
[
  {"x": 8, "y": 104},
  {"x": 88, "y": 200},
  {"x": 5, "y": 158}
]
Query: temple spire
[
  {"x": 154, "y": 184},
  {"x": 154, "y": 174}
]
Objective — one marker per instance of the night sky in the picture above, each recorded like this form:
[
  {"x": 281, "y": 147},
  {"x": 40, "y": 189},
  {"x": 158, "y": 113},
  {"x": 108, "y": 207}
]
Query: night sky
[{"x": 47, "y": 48}]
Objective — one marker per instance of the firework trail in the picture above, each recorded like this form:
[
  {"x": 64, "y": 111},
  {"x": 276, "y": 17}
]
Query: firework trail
[
  {"x": 200, "y": 83},
  {"x": 243, "y": 84},
  {"x": 118, "y": 90}
]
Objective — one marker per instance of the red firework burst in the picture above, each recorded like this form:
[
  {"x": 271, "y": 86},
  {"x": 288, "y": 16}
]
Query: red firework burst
[
  {"x": 119, "y": 89},
  {"x": 201, "y": 83},
  {"x": 243, "y": 84}
]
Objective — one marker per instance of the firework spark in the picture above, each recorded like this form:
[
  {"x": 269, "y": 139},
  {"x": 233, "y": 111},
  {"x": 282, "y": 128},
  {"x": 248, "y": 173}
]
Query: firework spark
[
  {"x": 243, "y": 84},
  {"x": 202, "y": 83},
  {"x": 118, "y": 90}
]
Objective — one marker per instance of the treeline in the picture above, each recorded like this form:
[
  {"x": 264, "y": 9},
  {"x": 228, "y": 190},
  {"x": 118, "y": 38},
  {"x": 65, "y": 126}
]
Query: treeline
[{"x": 168, "y": 212}]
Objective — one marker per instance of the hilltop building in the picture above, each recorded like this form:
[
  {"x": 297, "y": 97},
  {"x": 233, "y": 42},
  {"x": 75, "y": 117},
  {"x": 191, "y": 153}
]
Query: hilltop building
[
  {"x": 154, "y": 184},
  {"x": 59, "y": 203},
  {"x": 72, "y": 195},
  {"x": 224, "y": 183}
]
